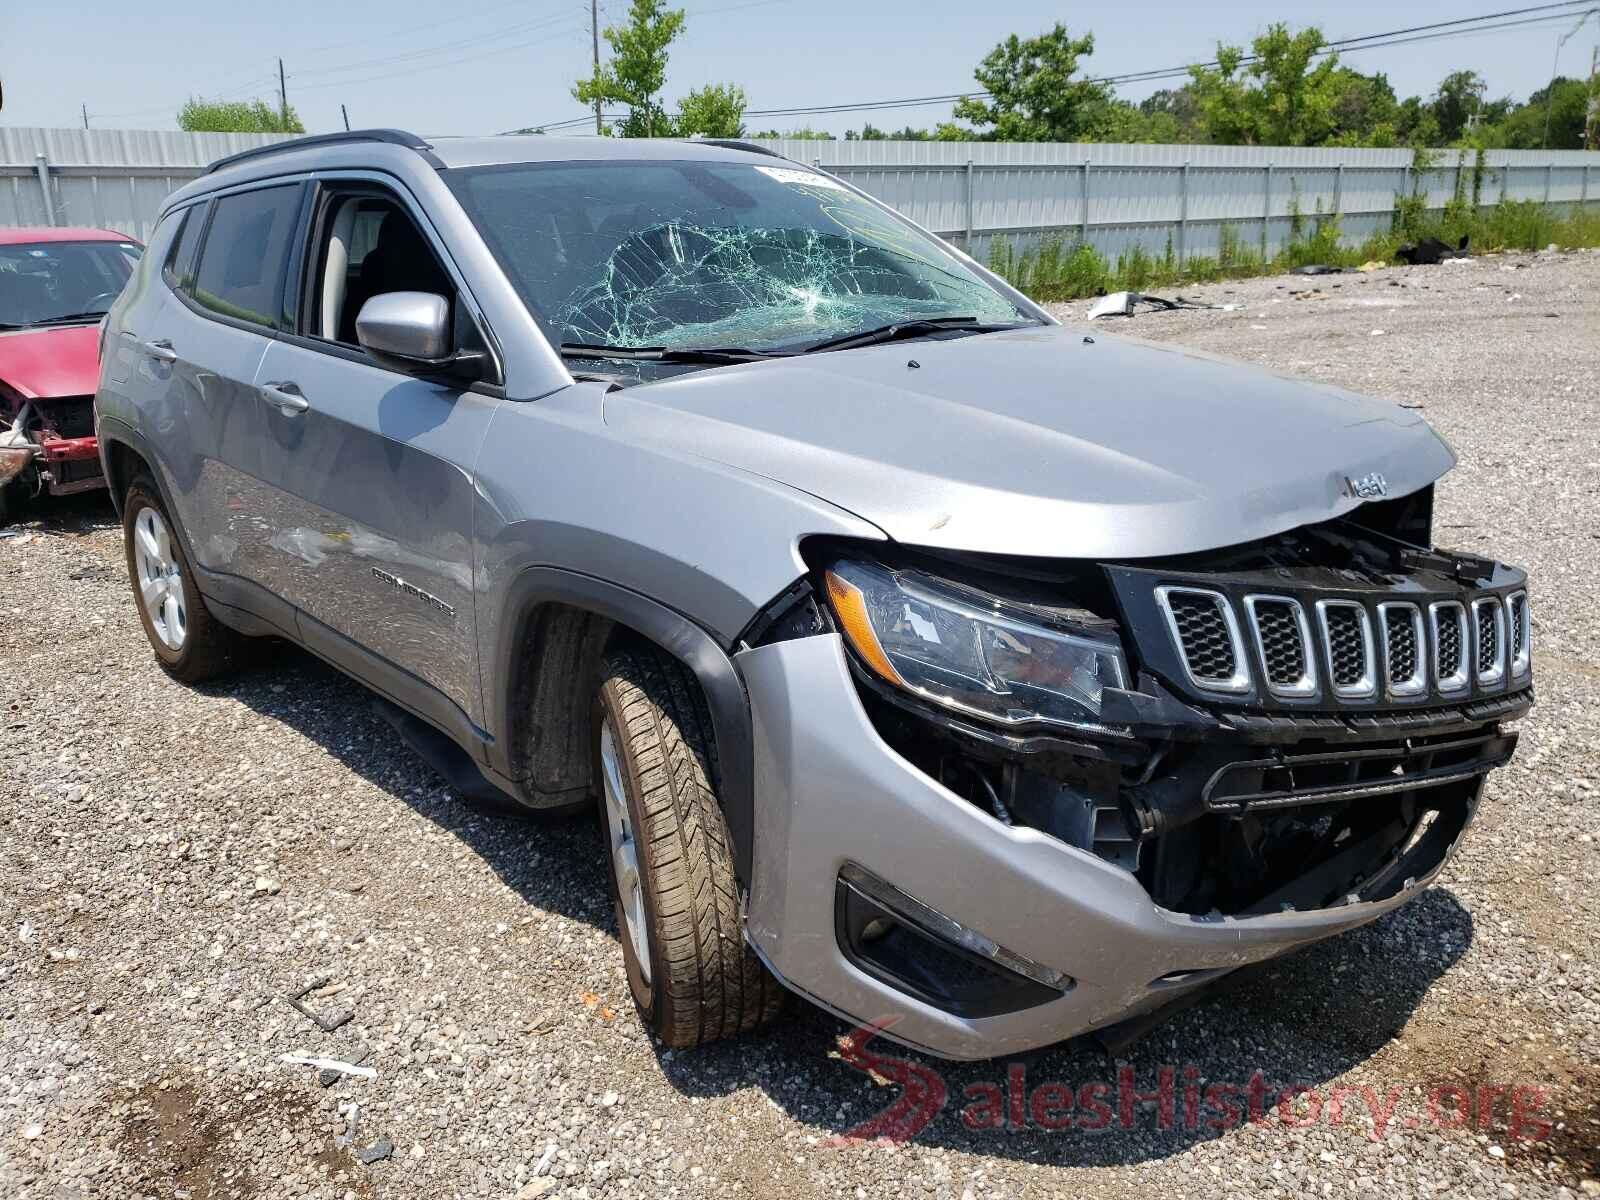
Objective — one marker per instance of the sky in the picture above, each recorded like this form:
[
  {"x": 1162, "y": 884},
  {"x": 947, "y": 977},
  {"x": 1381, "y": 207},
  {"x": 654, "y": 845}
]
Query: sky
[{"x": 505, "y": 64}]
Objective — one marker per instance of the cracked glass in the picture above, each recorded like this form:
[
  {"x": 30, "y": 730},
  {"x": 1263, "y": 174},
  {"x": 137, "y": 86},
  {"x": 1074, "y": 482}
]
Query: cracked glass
[{"x": 688, "y": 255}]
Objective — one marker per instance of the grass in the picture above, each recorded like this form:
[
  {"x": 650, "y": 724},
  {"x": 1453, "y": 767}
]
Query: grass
[{"x": 1058, "y": 269}]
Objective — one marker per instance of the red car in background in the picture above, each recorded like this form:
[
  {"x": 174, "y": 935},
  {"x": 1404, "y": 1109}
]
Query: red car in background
[{"x": 55, "y": 285}]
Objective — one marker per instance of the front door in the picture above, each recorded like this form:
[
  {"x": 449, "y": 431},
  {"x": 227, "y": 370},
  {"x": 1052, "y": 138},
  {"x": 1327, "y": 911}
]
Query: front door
[{"x": 369, "y": 471}]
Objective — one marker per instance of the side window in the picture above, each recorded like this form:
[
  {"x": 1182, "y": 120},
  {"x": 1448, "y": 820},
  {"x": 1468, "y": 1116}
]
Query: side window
[
  {"x": 179, "y": 268},
  {"x": 367, "y": 244},
  {"x": 240, "y": 273}
]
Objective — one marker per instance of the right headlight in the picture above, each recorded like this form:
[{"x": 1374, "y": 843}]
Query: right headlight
[{"x": 966, "y": 650}]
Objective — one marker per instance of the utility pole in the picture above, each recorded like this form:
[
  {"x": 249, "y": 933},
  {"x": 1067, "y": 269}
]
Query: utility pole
[
  {"x": 594, "y": 33},
  {"x": 283, "y": 99},
  {"x": 1591, "y": 115},
  {"x": 345, "y": 113},
  {"x": 85, "y": 108},
  {"x": 1550, "y": 96}
]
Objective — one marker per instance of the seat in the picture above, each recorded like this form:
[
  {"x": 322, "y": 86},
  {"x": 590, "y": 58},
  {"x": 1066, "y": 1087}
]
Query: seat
[{"x": 400, "y": 261}]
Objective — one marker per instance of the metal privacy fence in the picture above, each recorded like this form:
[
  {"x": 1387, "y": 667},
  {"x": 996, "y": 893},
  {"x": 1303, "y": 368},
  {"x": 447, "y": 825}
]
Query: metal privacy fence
[
  {"x": 106, "y": 178},
  {"x": 1114, "y": 197}
]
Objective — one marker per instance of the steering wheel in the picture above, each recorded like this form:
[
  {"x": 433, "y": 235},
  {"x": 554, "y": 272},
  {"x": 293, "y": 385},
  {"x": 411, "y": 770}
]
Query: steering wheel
[{"x": 94, "y": 302}]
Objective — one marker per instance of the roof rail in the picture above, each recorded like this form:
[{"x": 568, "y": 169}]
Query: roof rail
[
  {"x": 394, "y": 137},
  {"x": 736, "y": 144}
]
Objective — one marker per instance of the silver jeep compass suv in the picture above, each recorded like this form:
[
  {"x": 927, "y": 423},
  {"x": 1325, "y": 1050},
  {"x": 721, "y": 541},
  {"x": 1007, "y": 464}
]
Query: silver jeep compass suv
[{"x": 954, "y": 669}]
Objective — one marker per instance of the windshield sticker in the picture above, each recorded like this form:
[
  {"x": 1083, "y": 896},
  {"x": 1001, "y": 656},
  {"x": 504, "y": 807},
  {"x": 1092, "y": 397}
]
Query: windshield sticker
[{"x": 801, "y": 178}]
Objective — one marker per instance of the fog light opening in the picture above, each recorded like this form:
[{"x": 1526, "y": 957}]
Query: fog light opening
[{"x": 917, "y": 950}]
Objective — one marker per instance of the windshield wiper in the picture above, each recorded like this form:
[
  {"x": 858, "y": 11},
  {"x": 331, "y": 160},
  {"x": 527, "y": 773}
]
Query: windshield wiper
[
  {"x": 93, "y": 315},
  {"x": 916, "y": 327},
  {"x": 706, "y": 355}
]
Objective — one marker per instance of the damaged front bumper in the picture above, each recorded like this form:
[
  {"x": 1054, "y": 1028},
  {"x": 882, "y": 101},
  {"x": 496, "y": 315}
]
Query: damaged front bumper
[
  {"x": 1305, "y": 741},
  {"x": 835, "y": 800},
  {"x": 49, "y": 447}
]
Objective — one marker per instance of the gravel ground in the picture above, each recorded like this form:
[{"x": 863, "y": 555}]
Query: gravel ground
[{"x": 176, "y": 861}]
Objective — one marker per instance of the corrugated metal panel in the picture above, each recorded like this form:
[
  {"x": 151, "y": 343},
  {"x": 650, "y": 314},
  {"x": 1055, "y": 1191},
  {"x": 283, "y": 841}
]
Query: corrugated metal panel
[
  {"x": 123, "y": 147},
  {"x": 106, "y": 178},
  {"x": 1138, "y": 195}
]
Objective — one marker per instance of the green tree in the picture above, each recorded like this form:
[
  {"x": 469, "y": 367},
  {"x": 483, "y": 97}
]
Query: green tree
[
  {"x": 1459, "y": 97},
  {"x": 713, "y": 111},
  {"x": 1178, "y": 104},
  {"x": 805, "y": 134},
  {"x": 1523, "y": 128},
  {"x": 1033, "y": 95},
  {"x": 237, "y": 116},
  {"x": 1277, "y": 98},
  {"x": 638, "y": 69}
]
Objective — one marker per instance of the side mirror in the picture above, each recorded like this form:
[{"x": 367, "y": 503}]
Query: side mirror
[{"x": 410, "y": 332}]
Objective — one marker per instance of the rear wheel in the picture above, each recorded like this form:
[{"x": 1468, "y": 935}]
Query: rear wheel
[
  {"x": 677, "y": 903},
  {"x": 189, "y": 643}
]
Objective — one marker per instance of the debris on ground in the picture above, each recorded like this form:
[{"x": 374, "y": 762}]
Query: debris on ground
[
  {"x": 379, "y": 1150},
  {"x": 1124, "y": 304},
  {"x": 327, "y": 1023},
  {"x": 1430, "y": 251},
  {"x": 328, "y": 1064},
  {"x": 1316, "y": 269}
]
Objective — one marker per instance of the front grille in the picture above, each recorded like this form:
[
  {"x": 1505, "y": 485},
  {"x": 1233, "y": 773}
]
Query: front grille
[
  {"x": 1203, "y": 625},
  {"x": 1349, "y": 647},
  {"x": 1336, "y": 645},
  {"x": 1401, "y": 638},
  {"x": 1404, "y": 647},
  {"x": 1489, "y": 653},
  {"x": 1283, "y": 640},
  {"x": 1450, "y": 646},
  {"x": 1280, "y": 643},
  {"x": 1520, "y": 650}
]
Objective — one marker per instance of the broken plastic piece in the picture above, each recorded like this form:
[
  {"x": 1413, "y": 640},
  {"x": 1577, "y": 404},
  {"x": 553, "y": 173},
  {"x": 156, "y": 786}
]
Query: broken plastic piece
[
  {"x": 1121, "y": 304},
  {"x": 327, "y": 1024},
  {"x": 328, "y": 1064}
]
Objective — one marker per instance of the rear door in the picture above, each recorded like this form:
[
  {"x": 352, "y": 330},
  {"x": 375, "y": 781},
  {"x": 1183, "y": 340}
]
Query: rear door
[
  {"x": 368, "y": 472},
  {"x": 228, "y": 303}
]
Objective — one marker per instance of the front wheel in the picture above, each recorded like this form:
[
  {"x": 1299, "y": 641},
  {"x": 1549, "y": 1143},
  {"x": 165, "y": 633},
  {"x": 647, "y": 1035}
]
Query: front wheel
[
  {"x": 190, "y": 644},
  {"x": 692, "y": 977}
]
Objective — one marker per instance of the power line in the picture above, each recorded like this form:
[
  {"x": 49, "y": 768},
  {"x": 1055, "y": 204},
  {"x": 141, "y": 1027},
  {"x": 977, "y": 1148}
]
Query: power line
[
  {"x": 1369, "y": 41},
  {"x": 417, "y": 70},
  {"x": 423, "y": 54}
]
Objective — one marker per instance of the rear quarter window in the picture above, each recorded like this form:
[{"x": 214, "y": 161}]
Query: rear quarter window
[
  {"x": 241, "y": 268},
  {"x": 179, "y": 268}
]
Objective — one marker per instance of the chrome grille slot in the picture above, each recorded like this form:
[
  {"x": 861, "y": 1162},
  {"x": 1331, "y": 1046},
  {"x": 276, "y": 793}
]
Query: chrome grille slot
[
  {"x": 1521, "y": 645},
  {"x": 1207, "y": 634},
  {"x": 1449, "y": 621},
  {"x": 1347, "y": 643},
  {"x": 1283, "y": 639},
  {"x": 1405, "y": 671},
  {"x": 1488, "y": 639}
]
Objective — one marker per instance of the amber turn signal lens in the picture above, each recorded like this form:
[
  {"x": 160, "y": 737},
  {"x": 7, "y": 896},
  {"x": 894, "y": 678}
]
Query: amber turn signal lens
[{"x": 850, "y": 606}]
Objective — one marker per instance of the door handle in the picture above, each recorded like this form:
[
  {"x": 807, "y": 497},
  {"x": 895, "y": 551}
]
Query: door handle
[
  {"x": 161, "y": 350},
  {"x": 286, "y": 397}
]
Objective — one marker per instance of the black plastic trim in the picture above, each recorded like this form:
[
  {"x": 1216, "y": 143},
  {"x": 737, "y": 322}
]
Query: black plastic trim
[
  {"x": 906, "y": 967},
  {"x": 674, "y": 633},
  {"x": 393, "y": 137}
]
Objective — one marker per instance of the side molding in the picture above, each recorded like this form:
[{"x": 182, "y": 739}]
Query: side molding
[{"x": 674, "y": 633}]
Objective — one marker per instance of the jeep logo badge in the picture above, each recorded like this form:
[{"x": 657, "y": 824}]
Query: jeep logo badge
[{"x": 1368, "y": 487}]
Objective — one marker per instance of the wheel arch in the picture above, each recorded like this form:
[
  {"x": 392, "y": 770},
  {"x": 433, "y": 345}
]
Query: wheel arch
[
  {"x": 120, "y": 462},
  {"x": 554, "y": 629}
]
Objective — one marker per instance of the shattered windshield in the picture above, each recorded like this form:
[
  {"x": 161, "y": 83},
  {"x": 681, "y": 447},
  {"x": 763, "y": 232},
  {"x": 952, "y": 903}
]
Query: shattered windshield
[{"x": 689, "y": 255}]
